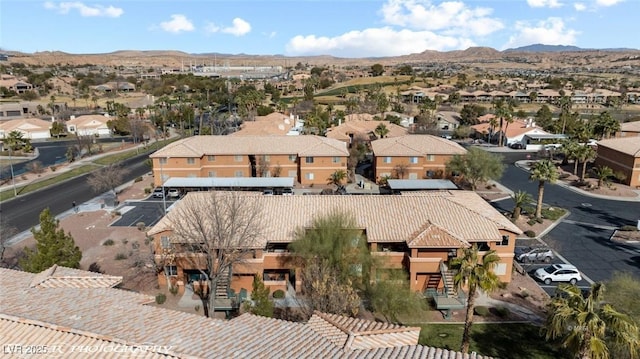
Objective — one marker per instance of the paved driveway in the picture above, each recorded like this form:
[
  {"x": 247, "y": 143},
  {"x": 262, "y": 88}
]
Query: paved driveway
[{"x": 147, "y": 211}]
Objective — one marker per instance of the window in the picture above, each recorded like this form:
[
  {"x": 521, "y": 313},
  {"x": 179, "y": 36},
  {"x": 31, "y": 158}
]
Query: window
[
  {"x": 211, "y": 158},
  {"x": 500, "y": 269},
  {"x": 238, "y": 158},
  {"x": 163, "y": 161},
  {"x": 309, "y": 176},
  {"x": 212, "y": 173},
  {"x": 336, "y": 159},
  {"x": 504, "y": 242},
  {"x": 239, "y": 174},
  {"x": 191, "y": 161},
  {"x": 171, "y": 270},
  {"x": 413, "y": 160},
  {"x": 292, "y": 158},
  {"x": 386, "y": 159},
  {"x": 308, "y": 159},
  {"x": 431, "y": 158},
  {"x": 164, "y": 242},
  {"x": 430, "y": 174}
]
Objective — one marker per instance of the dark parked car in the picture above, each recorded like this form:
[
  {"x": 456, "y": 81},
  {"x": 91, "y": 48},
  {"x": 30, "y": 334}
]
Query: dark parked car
[{"x": 516, "y": 146}]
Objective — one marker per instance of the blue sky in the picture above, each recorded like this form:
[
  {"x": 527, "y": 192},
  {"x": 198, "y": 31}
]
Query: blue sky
[{"x": 346, "y": 28}]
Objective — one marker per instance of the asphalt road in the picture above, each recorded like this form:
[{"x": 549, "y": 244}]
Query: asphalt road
[
  {"x": 23, "y": 212},
  {"x": 583, "y": 237}
]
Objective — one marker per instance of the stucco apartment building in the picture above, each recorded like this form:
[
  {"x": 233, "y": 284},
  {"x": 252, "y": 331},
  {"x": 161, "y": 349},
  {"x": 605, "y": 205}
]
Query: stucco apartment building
[
  {"x": 413, "y": 156},
  {"x": 621, "y": 155},
  {"x": 69, "y": 313},
  {"x": 629, "y": 129},
  {"x": 419, "y": 232},
  {"x": 308, "y": 159}
]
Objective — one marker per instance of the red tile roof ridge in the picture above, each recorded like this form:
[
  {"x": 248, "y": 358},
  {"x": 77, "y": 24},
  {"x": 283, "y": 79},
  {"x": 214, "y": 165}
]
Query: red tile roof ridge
[{"x": 391, "y": 328}]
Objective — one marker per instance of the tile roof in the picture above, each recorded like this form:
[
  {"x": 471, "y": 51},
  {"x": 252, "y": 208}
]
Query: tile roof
[
  {"x": 63, "y": 277},
  {"x": 415, "y": 145},
  {"x": 273, "y": 124},
  {"x": 198, "y": 146},
  {"x": 517, "y": 128},
  {"x": 464, "y": 215},
  {"x": 90, "y": 121},
  {"x": 25, "y": 125},
  {"x": 626, "y": 145},
  {"x": 364, "y": 129},
  {"x": 630, "y": 126},
  {"x": 102, "y": 319}
]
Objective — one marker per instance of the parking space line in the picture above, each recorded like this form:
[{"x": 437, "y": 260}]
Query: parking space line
[{"x": 585, "y": 224}]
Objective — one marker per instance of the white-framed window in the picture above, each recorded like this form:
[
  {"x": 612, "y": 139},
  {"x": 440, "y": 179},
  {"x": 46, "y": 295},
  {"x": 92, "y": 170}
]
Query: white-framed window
[
  {"x": 72, "y": 128},
  {"x": 212, "y": 173},
  {"x": 504, "y": 242},
  {"x": 239, "y": 174},
  {"x": 211, "y": 158},
  {"x": 308, "y": 159},
  {"x": 309, "y": 176},
  {"x": 164, "y": 242},
  {"x": 500, "y": 269},
  {"x": 293, "y": 173},
  {"x": 413, "y": 176},
  {"x": 431, "y": 158},
  {"x": 386, "y": 159},
  {"x": 171, "y": 270},
  {"x": 336, "y": 159},
  {"x": 163, "y": 161},
  {"x": 238, "y": 158},
  {"x": 191, "y": 161},
  {"x": 413, "y": 160},
  {"x": 292, "y": 158}
]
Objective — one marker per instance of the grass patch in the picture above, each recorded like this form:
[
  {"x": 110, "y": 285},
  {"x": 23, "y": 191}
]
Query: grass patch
[
  {"x": 8, "y": 194},
  {"x": 503, "y": 340},
  {"x": 119, "y": 157}
]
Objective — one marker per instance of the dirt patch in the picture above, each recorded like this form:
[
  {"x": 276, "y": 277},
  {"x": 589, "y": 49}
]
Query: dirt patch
[
  {"x": 626, "y": 236},
  {"x": 591, "y": 184}
]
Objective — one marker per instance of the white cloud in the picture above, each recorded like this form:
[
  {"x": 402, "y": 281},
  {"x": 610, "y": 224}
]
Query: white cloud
[
  {"x": 450, "y": 17},
  {"x": 239, "y": 27},
  {"x": 608, "y": 2},
  {"x": 375, "y": 42},
  {"x": 580, "y": 6},
  {"x": 177, "y": 24},
  {"x": 270, "y": 35},
  {"x": 211, "y": 27},
  {"x": 551, "y": 31},
  {"x": 85, "y": 10},
  {"x": 544, "y": 3}
]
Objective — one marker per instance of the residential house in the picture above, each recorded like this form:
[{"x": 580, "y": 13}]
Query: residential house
[
  {"x": 365, "y": 131},
  {"x": 621, "y": 155},
  {"x": 447, "y": 121},
  {"x": 89, "y": 125},
  {"x": 113, "y": 86},
  {"x": 12, "y": 83},
  {"x": 15, "y": 110},
  {"x": 274, "y": 123},
  {"x": 419, "y": 232},
  {"x": 629, "y": 129},
  {"x": 73, "y": 313},
  {"x": 405, "y": 120},
  {"x": 308, "y": 159},
  {"x": 413, "y": 156},
  {"x": 512, "y": 132},
  {"x": 31, "y": 128}
]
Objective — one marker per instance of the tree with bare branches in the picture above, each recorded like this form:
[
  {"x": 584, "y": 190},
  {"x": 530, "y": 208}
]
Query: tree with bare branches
[
  {"x": 216, "y": 230},
  {"x": 107, "y": 178}
]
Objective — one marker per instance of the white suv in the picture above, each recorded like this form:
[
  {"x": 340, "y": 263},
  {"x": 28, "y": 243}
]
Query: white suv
[{"x": 558, "y": 273}]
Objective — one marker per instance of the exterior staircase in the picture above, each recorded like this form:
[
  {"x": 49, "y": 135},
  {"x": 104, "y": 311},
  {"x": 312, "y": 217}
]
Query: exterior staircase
[
  {"x": 222, "y": 286},
  {"x": 433, "y": 283},
  {"x": 447, "y": 277}
]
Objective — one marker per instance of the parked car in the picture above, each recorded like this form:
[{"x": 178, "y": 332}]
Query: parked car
[
  {"x": 558, "y": 273},
  {"x": 287, "y": 192},
  {"x": 516, "y": 146},
  {"x": 267, "y": 192},
  {"x": 533, "y": 254},
  {"x": 173, "y": 193},
  {"x": 159, "y": 192}
]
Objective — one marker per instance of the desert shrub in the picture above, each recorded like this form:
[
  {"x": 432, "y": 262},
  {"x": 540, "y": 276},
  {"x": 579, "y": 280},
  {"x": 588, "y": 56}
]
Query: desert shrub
[
  {"x": 138, "y": 263},
  {"x": 502, "y": 312},
  {"x": 539, "y": 220},
  {"x": 120, "y": 256},
  {"x": 95, "y": 267},
  {"x": 35, "y": 167},
  {"x": 147, "y": 190},
  {"x": 481, "y": 311},
  {"x": 108, "y": 242},
  {"x": 125, "y": 241},
  {"x": 524, "y": 294},
  {"x": 553, "y": 213},
  {"x": 161, "y": 298},
  {"x": 529, "y": 233},
  {"x": 278, "y": 294},
  {"x": 197, "y": 308},
  {"x": 628, "y": 228},
  {"x": 620, "y": 176},
  {"x": 53, "y": 168},
  {"x": 173, "y": 289},
  {"x": 140, "y": 226},
  {"x": 503, "y": 285},
  {"x": 138, "y": 179},
  {"x": 531, "y": 222},
  {"x": 147, "y": 241}
]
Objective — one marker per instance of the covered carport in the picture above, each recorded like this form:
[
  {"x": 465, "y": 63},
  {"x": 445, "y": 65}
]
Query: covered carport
[{"x": 187, "y": 184}]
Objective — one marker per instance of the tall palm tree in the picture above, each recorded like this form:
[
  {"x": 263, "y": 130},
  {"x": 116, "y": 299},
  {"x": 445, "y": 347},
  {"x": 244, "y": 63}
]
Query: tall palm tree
[
  {"x": 520, "y": 198},
  {"x": 504, "y": 112},
  {"x": 571, "y": 149},
  {"x": 473, "y": 273},
  {"x": 543, "y": 171},
  {"x": 585, "y": 154},
  {"x": 586, "y": 324}
]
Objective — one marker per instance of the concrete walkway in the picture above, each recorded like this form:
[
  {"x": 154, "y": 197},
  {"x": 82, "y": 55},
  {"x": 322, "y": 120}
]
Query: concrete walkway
[{"x": 522, "y": 312}]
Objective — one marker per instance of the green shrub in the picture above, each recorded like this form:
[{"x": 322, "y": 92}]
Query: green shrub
[
  {"x": 502, "y": 312},
  {"x": 531, "y": 222},
  {"x": 173, "y": 289},
  {"x": 553, "y": 213},
  {"x": 147, "y": 190},
  {"x": 278, "y": 294},
  {"x": 53, "y": 168},
  {"x": 503, "y": 285},
  {"x": 141, "y": 226},
  {"x": 539, "y": 220},
  {"x": 629, "y": 228},
  {"x": 481, "y": 311},
  {"x": 161, "y": 298},
  {"x": 121, "y": 256},
  {"x": 197, "y": 308},
  {"x": 138, "y": 179},
  {"x": 108, "y": 242},
  {"x": 529, "y": 233}
]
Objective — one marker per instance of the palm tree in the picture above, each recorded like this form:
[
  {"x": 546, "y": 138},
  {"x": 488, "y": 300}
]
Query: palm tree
[
  {"x": 337, "y": 178},
  {"x": 520, "y": 198},
  {"x": 542, "y": 171},
  {"x": 602, "y": 173},
  {"x": 571, "y": 149},
  {"x": 586, "y": 324},
  {"x": 474, "y": 273},
  {"x": 504, "y": 113},
  {"x": 381, "y": 130},
  {"x": 585, "y": 154}
]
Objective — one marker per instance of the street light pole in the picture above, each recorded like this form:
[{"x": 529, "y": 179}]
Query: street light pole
[{"x": 13, "y": 179}]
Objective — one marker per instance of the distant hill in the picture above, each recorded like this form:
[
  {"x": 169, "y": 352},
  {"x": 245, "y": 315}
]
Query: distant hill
[{"x": 546, "y": 48}]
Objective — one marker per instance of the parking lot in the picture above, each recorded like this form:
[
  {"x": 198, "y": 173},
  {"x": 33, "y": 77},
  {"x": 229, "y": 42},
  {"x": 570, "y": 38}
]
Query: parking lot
[
  {"x": 531, "y": 267},
  {"x": 148, "y": 211}
]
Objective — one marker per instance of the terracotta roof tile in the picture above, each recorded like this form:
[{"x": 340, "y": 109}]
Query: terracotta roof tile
[
  {"x": 415, "y": 145},
  {"x": 63, "y": 277},
  {"x": 633, "y": 126},
  {"x": 25, "y": 124},
  {"x": 626, "y": 145}
]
